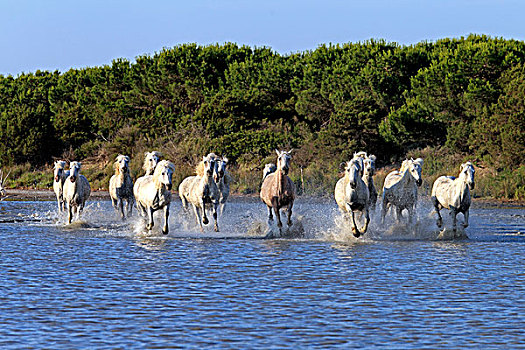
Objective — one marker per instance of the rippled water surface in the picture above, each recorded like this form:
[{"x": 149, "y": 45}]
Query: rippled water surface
[{"x": 103, "y": 283}]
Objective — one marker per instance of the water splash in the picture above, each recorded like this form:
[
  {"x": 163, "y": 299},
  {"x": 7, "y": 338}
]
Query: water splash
[{"x": 312, "y": 220}]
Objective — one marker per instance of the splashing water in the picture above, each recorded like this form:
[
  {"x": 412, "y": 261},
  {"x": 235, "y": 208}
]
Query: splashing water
[{"x": 312, "y": 220}]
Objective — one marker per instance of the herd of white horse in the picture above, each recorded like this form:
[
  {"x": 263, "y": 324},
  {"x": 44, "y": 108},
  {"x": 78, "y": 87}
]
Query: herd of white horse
[{"x": 208, "y": 190}]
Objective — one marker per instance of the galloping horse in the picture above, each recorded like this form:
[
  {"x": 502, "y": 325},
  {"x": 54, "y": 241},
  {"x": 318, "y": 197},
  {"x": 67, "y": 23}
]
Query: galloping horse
[
  {"x": 454, "y": 194},
  {"x": 154, "y": 193},
  {"x": 400, "y": 189},
  {"x": 278, "y": 190},
  {"x": 200, "y": 190},
  {"x": 76, "y": 191},
  {"x": 222, "y": 179},
  {"x": 121, "y": 186},
  {"x": 60, "y": 174},
  {"x": 351, "y": 194}
]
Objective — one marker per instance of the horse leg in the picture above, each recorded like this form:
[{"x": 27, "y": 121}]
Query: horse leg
[
  {"x": 453, "y": 214},
  {"x": 399, "y": 214},
  {"x": 437, "y": 207},
  {"x": 270, "y": 215},
  {"x": 166, "y": 216},
  {"x": 196, "y": 210},
  {"x": 59, "y": 202},
  {"x": 465, "y": 215},
  {"x": 70, "y": 213},
  {"x": 276, "y": 210},
  {"x": 215, "y": 224},
  {"x": 130, "y": 206},
  {"x": 121, "y": 207},
  {"x": 383, "y": 210},
  {"x": 367, "y": 220},
  {"x": 114, "y": 203},
  {"x": 141, "y": 209},
  {"x": 184, "y": 202},
  {"x": 205, "y": 220},
  {"x": 289, "y": 223},
  {"x": 355, "y": 230},
  {"x": 150, "y": 224}
]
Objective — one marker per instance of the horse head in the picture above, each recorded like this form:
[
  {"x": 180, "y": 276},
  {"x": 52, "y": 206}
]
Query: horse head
[
  {"x": 467, "y": 171},
  {"x": 58, "y": 170},
  {"x": 369, "y": 165},
  {"x": 164, "y": 173},
  {"x": 209, "y": 163},
  {"x": 220, "y": 168},
  {"x": 360, "y": 157},
  {"x": 414, "y": 167},
  {"x": 151, "y": 160},
  {"x": 74, "y": 170},
  {"x": 121, "y": 164},
  {"x": 283, "y": 160},
  {"x": 353, "y": 170}
]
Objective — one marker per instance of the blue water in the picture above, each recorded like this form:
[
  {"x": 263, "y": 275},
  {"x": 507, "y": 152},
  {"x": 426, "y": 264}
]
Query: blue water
[{"x": 106, "y": 284}]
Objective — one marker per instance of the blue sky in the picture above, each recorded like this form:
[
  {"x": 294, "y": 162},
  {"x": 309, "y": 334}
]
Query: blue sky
[{"x": 52, "y": 34}]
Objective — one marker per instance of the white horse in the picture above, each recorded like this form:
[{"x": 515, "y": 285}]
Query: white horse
[
  {"x": 368, "y": 173},
  {"x": 200, "y": 190},
  {"x": 154, "y": 193},
  {"x": 76, "y": 191},
  {"x": 400, "y": 189},
  {"x": 60, "y": 174},
  {"x": 2, "y": 183},
  {"x": 268, "y": 169},
  {"x": 121, "y": 186},
  {"x": 278, "y": 190},
  {"x": 351, "y": 194},
  {"x": 222, "y": 179},
  {"x": 368, "y": 162},
  {"x": 151, "y": 159},
  {"x": 454, "y": 194}
]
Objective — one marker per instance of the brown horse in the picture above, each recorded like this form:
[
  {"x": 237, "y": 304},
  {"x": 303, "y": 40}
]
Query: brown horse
[{"x": 278, "y": 191}]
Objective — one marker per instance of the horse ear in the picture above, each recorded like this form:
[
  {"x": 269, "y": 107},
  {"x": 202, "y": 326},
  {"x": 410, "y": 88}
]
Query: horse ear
[
  {"x": 290, "y": 151},
  {"x": 372, "y": 157},
  {"x": 278, "y": 153}
]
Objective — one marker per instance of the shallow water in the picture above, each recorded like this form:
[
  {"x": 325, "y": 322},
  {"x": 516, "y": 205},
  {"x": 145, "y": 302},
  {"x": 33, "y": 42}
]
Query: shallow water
[{"x": 103, "y": 283}]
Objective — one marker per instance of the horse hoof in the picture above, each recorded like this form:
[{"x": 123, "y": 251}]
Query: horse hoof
[
  {"x": 165, "y": 232},
  {"x": 205, "y": 221}
]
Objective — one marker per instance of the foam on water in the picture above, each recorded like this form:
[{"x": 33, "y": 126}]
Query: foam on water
[{"x": 248, "y": 219}]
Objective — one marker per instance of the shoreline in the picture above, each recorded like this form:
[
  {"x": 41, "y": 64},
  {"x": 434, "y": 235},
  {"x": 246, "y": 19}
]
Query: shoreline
[{"x": 44, "y": 195}]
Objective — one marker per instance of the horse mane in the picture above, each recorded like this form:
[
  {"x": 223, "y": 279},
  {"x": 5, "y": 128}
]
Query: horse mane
[
  {"x": 404, "y": 166},
  {"x": 199, "y": 169}
]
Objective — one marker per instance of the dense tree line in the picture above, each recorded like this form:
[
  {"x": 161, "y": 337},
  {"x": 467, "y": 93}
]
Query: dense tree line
[{"x": 465, "y": 95}]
